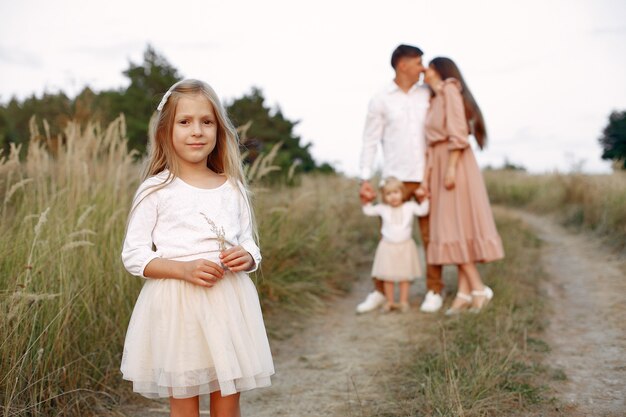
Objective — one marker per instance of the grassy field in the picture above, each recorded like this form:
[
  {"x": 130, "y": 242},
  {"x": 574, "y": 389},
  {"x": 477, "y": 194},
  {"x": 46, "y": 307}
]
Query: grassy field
[
  {"x": 493, "y": 363},
  {"x": 65, "y": 297},
  {"x": 487, "y": 364},
  {"x": 594, "y": 203}
]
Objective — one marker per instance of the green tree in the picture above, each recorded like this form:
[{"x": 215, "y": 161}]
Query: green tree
[
  {"x": 15, "y": 117},
  {"x": 613, "y": 140},
  {"x": 148, "y": 81},
  {"x": 269, "y": 127}
]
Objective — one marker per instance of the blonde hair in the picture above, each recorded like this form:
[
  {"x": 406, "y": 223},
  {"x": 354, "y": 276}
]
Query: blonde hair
[
  {"x": 225, "y": 157},
  {"x": 390, "y": 184}
]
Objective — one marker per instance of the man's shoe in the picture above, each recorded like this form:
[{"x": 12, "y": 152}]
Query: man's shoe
[
  {"x": 373, "y": 300},
  {"x": 432, "y": 302}
]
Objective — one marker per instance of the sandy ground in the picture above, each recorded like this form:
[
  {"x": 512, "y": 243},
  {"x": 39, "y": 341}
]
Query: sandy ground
[
  {"x": 587, "y": 330},
  {"x": 335, "y": 365}
]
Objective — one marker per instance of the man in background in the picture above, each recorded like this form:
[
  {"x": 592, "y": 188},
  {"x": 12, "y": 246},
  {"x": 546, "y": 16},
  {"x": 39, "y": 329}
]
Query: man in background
[{"x": 395, "y": 119}]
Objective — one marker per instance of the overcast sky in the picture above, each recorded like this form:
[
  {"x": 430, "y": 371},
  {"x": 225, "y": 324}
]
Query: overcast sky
[{"x": 545, "y": 73}]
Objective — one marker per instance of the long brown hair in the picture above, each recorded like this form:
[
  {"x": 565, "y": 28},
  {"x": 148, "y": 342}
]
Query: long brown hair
[{"x": 446, "y": 68}]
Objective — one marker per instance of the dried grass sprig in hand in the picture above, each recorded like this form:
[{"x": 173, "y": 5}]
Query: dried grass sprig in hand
[{"x": 219, "y": 233}]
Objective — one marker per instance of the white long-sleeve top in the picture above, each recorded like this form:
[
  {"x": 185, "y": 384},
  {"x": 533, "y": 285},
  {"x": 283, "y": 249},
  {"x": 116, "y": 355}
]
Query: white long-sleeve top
[
  {"x": 396, "y": 119},
  {"x": 171, "y": 223},
  {"x": 397, "y": 222}
]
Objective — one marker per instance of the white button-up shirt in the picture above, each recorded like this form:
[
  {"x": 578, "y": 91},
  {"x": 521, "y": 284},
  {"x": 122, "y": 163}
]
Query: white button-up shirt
[{"x": 396, "y": 119}]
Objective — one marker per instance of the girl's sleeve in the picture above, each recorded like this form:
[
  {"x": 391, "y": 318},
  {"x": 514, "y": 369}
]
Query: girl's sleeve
[
  {"x": 370, "y": 209},
  {"x": 419, "y": 209},
  {"x": 138, "y": 245},
  {"x": 456, "y": 122},
  {"x": 246, "y": 237}
]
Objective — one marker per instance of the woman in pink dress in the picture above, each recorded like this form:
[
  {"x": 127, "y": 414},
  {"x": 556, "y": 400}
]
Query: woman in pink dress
[{"x": 462, "y": 229}]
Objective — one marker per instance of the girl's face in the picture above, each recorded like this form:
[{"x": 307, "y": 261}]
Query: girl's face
[
  {"x": 431, "y": 76},
  {"x": 195, "y": 130},
  {"x": 393, "y": 197}
]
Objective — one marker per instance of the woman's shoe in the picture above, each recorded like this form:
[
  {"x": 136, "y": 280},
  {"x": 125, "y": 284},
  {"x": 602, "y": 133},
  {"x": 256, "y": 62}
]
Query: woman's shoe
[
  {"x": 486, "y": 293},
  {"x": 460, "y": 308}
]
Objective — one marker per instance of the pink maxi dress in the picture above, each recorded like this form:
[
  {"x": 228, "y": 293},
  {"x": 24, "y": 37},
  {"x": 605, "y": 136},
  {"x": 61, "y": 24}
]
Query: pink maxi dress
[{"x": 462, "y": 229}]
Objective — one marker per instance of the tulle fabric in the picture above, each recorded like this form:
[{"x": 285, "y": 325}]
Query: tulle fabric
[
  {"x": 184, "y": 340},
  {"x": 396, "y": 261}
]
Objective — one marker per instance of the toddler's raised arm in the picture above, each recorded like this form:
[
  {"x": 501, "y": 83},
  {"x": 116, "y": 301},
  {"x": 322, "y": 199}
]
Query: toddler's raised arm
[
  {"x": 372, "y": 210},
  {"x": 420, "y": 209}
]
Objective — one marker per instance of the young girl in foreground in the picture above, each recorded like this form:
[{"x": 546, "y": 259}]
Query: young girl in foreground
[
  {"x": 197, "y": 326},
  {"x": 462, "y": 230},
  {"x": 396, "y": 258}
]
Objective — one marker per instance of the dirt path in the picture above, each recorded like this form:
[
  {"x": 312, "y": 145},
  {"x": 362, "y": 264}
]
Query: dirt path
[
  {"x": 335, "y": 367},
  {"x": 587, "y": 330}
]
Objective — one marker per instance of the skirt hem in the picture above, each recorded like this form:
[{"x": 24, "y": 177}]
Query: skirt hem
[
  {"x": 150, "y": 389},
  {"x": 456, "y": 253}
]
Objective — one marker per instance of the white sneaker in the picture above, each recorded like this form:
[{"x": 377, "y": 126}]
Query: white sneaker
[
  {"x": 432, "y": 302},
  {"x": 373, "y": 300}
]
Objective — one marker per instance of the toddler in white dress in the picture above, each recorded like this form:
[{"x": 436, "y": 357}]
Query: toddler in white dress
[{"x": 396, "y": 258}]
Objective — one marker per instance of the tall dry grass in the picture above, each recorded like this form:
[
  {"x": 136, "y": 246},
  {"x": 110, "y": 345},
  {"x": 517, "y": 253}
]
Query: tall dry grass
[
  {"x": 64, "y": 295},
  {"x": 595, "y": 203}
]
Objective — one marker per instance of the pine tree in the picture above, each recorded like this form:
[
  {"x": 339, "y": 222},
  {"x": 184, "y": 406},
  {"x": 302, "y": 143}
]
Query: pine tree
[
  {"x": 148, "y": 82},
  {"x": 268, "y": 128}
]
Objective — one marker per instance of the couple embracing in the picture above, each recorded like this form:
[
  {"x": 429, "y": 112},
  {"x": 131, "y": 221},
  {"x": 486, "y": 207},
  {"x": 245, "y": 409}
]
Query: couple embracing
[{"x": 424, "y": 132}]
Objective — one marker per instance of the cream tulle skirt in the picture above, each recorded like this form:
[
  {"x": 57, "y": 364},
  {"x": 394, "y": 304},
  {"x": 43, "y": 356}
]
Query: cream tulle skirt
[
  {"x": 396, "y": 261},
  {"x": 184, "y": 340}
]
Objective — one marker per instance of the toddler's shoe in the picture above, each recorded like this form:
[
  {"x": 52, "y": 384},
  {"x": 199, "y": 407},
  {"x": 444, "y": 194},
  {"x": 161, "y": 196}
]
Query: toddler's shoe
[
  {"x": 387, "y": 307},
  {"x": 404, "y": 307},
  {"x": 373, "y": 300},
  {"x": 432, "y": 302}
]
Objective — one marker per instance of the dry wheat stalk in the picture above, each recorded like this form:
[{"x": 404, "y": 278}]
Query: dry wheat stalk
[
  {"x": 76, "y": 244},
  {"x": 16, "y": 187},
  {"x": 219, "y": 232}
]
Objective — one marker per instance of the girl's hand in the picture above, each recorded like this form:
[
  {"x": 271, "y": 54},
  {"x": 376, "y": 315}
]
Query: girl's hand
[
  {"x": 237, "y": 259},
  {"x": 450, "y": 178},
  {"x": 202, "y": 272}
]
